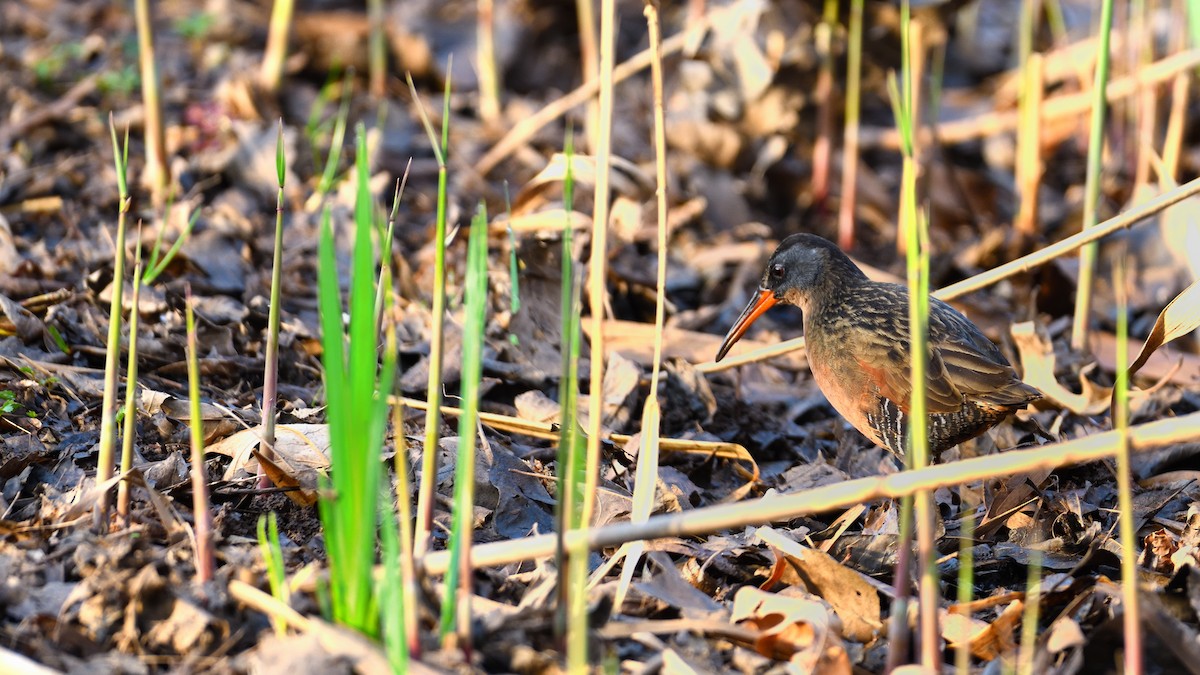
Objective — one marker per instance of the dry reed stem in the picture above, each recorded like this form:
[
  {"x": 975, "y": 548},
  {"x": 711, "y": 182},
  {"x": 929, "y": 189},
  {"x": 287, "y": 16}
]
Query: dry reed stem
[
  {"x": 549, "y": 432},
  {"x": 985, "y": 279},
  {"x": 1029, "y": 146},
  {"x": 157, "y": 172},
  {"x": 781, "y": 508},
  {"x": 1055, "y": 108},
  {"x": 850, "y": 139},
  {"x": 598, "y": 263},
  {"x": 589, "y": 60},
  {"x": 489, "y": 76}
]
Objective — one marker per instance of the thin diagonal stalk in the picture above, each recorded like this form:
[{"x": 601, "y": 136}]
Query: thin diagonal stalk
[
  {"x": 404, "y": 512},
  {"x": 1091, "y": 197},
  {"x": 783, "y": 508},
  {"x": 585, "y": 13}
]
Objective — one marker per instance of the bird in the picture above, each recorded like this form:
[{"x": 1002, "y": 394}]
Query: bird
[{"x": 856, "y": 333}]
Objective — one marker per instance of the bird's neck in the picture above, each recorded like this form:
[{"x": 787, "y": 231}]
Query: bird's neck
[{"x": 832, "y": 292}]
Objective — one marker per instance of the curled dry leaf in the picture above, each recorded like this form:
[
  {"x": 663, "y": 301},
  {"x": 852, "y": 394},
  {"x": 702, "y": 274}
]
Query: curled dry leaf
[
  {"x": 1038, "y": 361},
  {"x": 794, "y": 628},
  {"x": 853, "y": 599},
  {"x": 959, "y": 629},
  {"x": 1180, "y": 317},
  {"x": 301, "y": 455}
]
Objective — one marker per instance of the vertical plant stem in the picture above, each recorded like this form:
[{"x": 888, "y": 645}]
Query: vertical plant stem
[
  {"x": 404, "y": 512},
  {"x": 489, "y": 74},
  {"x": 850, "y": 141},
  {"x": 1029, "y": 145},
  {"x": 1091, "y": 197},
  {"x": 158, "y": 173},
  {"x": 571, "y": 460},
  {"x": 898, "y": 629},
  {"x": 200, "y": 510},
  {"x": 277, "y": 43},
  {"x": 1173, "y": 136},
  {"x": 966, "y": 588},
  {"x": 589, "y": 59},
  {"x": 598, "y": 263},
  {"x": 914, "y": 227},
  {"x": 131, "y": 375},
  {"x": 112, "y": 350},
  {"x": 913, "y": 66},
  {"x": 429, "y": 455},
  {"x": 1142, "y": 45},
  {"x": 377, "y": 58},
  {"x": 1129, "y": 572},
  {"x": 271, "y": 358},
  {"x": 648, "y": 454},
  {"x": 456, "y": 604},
  {"x": 577, "y": 635},
  {"x": 1029, "y": 617},
  {"x": 272, "y": 554},
  {"x": 822, "y": 146},
  {"x": 597, "y": 272}
]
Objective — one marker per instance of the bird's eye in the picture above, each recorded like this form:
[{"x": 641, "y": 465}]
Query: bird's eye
[{"x": 777, "y": 271}]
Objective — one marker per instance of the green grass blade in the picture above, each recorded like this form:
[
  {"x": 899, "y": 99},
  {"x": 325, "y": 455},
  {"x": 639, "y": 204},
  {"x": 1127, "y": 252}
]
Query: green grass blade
[
  {"x": 1091, "y": 198},
  {"x": 458, "y": 588},
  {"x": 112, "y": 351}
]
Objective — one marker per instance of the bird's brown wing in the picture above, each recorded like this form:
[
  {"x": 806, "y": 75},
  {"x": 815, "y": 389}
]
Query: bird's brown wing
[
  {"x": 957, "y": 373},
  {"x": 983, "y": 380},
  {"x": 887, "y": 366}
]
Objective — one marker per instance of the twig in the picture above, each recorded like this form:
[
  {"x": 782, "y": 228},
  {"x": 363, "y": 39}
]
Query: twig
[{"x": 710, "y": 519}]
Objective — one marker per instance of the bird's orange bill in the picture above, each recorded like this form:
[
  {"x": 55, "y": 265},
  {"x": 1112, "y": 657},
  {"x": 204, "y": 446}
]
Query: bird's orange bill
[{"x": 758, "y": 306}]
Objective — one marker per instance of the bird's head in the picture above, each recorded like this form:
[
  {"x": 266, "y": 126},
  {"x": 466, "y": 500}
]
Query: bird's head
[{"x": 801, "y": 266}]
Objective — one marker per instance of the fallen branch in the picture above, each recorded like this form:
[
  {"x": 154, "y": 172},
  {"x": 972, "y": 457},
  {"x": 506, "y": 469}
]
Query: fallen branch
[{"x": 782, "y": 508}]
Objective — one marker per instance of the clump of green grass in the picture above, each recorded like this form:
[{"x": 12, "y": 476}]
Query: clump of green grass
[{"x": 355, "y": 390}]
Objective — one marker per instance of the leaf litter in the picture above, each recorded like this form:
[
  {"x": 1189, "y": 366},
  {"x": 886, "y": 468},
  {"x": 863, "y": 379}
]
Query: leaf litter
[{"x": 810, "y": 595}]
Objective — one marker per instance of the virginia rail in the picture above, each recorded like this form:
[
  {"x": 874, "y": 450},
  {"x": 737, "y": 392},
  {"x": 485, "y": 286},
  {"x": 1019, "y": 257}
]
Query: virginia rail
[{"x": 856, "y": 331}]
